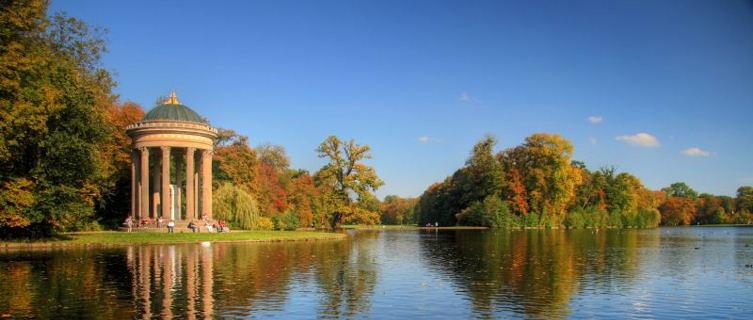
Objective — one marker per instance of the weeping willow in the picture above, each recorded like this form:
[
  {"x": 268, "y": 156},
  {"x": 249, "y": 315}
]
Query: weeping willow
[{"x": 235, "y": 206}]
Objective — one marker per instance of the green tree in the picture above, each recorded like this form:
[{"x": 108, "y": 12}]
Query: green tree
[
  {"x": 744, "y": 200},
  {"x": 236, "y": 206},
  {"x": 680, "y": 189},
  {"x": 346, "y": 176}
]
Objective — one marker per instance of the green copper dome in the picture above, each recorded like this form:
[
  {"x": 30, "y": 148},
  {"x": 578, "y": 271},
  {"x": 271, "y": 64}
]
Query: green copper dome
[{"x": 172, "y": 112}]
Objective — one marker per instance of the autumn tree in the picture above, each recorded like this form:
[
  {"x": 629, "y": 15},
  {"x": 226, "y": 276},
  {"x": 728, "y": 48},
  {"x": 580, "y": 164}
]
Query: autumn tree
[
  {"x": 677, "y": 211},
  {"x": 347, "y": 179},
  {"x": 234, "y": 161},
  {"x": 114, "y": 162},
  {"x": 53, "y": 101},
  {"x": 397, "y": 210},
  {"x": 303, "y": 197},
  {"x": 548, "y": 177}
]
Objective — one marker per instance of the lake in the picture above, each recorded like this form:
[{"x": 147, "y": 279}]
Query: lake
[{"x": 448, "y": 274}]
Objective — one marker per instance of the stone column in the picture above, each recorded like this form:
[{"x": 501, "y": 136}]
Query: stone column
[
  {"x": 190, "y": 194},
  {"x": 196, "y": 193},
  {"x": 206, "y": 183},
  {"x": 134, "y": 158},
  {"x": 155, "y": 189},
  {"x": 165, "y": 190},
  {"x": 144, "y": 182},
  {"x": 178, "y": 185}
]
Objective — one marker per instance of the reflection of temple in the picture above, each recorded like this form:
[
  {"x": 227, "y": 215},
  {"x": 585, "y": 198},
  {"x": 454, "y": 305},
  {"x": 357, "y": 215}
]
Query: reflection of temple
[
  {"x": 172, "y": 270},
  {"x": 171, "y": 133}
]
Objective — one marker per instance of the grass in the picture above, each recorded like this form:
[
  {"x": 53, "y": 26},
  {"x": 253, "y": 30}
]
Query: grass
[{"x": 114, "y": 237}]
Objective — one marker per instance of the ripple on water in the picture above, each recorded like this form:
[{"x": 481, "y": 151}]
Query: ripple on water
[{"x": 658, "y": 273}]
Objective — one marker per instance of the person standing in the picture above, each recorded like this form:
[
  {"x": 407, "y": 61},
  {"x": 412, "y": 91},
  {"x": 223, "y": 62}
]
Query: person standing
[
  {"x": 159, "y": 222},
  {"x": 129, "y": 223},
  {"x": 170, "y": 226}
]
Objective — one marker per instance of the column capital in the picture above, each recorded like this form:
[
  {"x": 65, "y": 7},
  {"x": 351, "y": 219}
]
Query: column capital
[
  {"x": 144, "y": 149},
  {"x": 165, "y": 148}
]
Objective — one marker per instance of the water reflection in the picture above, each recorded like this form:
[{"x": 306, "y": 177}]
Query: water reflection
[
  {"x": 160, "y": 275},
  {"x": 533, "y": 272},
  {"x": 187, "y": 281},
  {"x": 659, "y": 273}
]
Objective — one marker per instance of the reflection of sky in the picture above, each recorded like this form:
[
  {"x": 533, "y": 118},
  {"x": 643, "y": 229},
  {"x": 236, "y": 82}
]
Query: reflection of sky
[
  {"x": 656, "y": 273},
  {"x": 677, "y": 280},
  {"x": 408, "y": 288}
]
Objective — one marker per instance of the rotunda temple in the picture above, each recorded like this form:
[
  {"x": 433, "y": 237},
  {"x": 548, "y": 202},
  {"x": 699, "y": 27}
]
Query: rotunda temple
[{"x": 168, "y": 136}]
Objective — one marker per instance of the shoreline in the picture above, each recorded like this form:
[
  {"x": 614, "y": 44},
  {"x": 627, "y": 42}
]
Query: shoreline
[
  {"x": 408, "y": 228},
  {"x": 116, "y": 239}
]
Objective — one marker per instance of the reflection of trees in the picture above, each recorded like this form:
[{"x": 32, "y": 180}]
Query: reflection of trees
[
  {"x": 51, "y": 284},
  {"x": 346, "y": 274},
  {"x": 534, "y": 272},
  {"x": 184, "y": 281}
]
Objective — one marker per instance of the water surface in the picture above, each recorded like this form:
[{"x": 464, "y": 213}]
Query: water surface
[{"x": 655, "y": 273}]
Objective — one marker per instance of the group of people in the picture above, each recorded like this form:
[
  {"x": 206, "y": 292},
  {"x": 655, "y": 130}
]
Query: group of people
[
  {"x": 220, "y": 225},
  {"x": 210, "y": 225}
]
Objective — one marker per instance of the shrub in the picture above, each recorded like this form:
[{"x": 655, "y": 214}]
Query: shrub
[
  {"x": 289, "y": 220},
  {"x": 265, "y": 223}
]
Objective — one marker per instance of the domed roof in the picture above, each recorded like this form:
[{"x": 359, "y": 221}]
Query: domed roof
[{"x": 172, "y": 110}]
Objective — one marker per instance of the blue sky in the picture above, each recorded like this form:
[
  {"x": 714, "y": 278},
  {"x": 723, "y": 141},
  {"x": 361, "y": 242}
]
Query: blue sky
[{"x": 634, "y": 84}]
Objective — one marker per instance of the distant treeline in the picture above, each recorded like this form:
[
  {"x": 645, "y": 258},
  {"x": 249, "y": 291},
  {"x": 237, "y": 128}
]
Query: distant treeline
[{"x": 537, "y": 185}]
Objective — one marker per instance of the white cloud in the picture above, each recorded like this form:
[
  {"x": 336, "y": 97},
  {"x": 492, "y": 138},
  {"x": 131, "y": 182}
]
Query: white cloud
[
  {"x": 641, "y": 139},
  {"x": 595, "y": 119},
  {"x": 592, "y": 140},
  {"x": 425, "y": 139},
  {"x": 696, "y": 152},
  {"x": 465, "y": 97}
]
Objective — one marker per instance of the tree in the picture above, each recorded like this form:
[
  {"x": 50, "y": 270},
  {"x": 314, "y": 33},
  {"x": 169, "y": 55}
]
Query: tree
[
  {"x": 548, "y": 177},
  {"x": 744, "y": 200},
  {"x": 397, "y": 210},
  {"x": 680, "y": 189},
  {"x": 677, "y": 211},
  {"x": 346, "y": 176},
  {"x": 303, "y": 197},
  {"x": 114, "y": 162},
  {"x": 53, "y": 125},
  {"x": 236, "y": 206},
  {"x": 235, "y": 162}
]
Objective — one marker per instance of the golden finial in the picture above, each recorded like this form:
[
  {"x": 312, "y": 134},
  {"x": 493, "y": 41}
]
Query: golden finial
[{"x": 173, "y": 99}]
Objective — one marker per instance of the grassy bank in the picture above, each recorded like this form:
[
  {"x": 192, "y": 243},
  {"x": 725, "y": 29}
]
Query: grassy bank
[{"x": 114, "y": 237}]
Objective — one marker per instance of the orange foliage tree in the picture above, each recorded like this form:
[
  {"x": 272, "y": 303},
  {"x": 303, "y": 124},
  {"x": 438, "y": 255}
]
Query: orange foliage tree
[{"x": 677, "y": 211}]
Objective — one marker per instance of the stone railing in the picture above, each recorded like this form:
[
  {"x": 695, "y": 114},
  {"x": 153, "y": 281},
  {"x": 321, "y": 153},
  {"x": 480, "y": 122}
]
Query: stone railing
[{"x": 186, "y": 125}]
